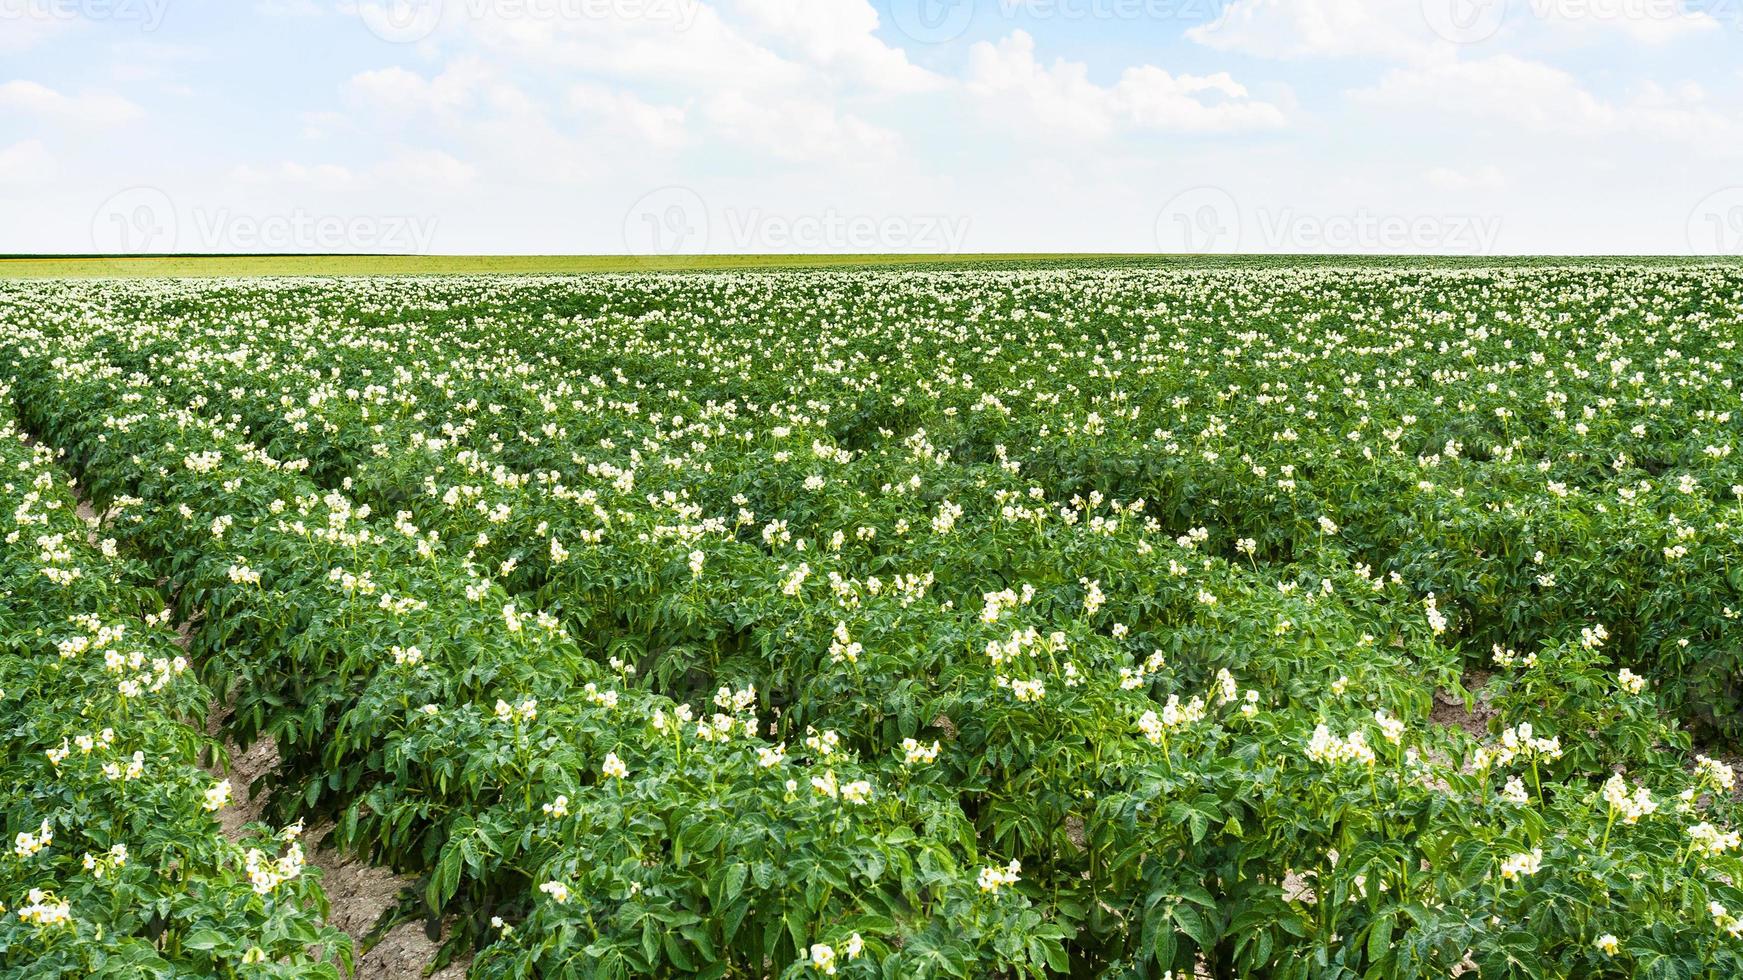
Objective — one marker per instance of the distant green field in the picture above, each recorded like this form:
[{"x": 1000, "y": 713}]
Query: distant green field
[
  {"x": 138, "y": 266},
  {"x": 384, "y": 265}
]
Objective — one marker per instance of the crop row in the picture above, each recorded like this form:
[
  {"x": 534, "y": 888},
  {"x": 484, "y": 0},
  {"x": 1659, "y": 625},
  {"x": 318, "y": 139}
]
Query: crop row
[
  {"x": 1031, "y": 792},
  {"x": 458, "y": 735},
  {"x": 116, "y": 865},
  {"x": 1539, "y": 449}
]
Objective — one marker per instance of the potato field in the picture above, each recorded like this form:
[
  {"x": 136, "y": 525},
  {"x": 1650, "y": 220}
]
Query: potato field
[{"x": 1073, "y": 620}]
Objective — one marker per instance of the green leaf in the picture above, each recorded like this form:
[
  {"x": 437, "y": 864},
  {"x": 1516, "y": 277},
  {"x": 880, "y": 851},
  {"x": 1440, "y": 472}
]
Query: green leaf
[
  {"x": 445, "y": 880},
  {"x": 204, "y": 939},
  {"x": 1380, "y": 938},
  {"x": 1194, "y": 925}
]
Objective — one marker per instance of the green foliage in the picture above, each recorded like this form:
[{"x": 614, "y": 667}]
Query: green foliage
[
  {"x": 961, "y": 625},
  {"x": 117, "y": 867}
]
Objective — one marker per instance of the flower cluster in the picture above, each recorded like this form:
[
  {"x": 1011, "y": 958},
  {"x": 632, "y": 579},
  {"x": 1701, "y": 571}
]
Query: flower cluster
[
  {"x": 44, "y": 910},
  {"x": 1522, "y": 865},
  {"x": 1519, "y": 743},
  {"x": 1327, "y": 749},
  {"x": 1630, "y": 808},
  {"x": 267, "y": 873},
  {"x": 993, "y": 878}
]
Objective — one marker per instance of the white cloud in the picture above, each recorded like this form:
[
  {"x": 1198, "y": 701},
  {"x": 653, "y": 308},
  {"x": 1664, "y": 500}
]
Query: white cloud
[
  {"x": 774, "y": 46},
  {"x": 1146, "y": 97},
  {"x": 426, "y": 168},
  {"x": 1421, "y": 30},
  {"x": 528, "y": 130},
  {"x": 1537, "y": 98},
  {"x": 467, "y": 89},
  {"x": 784, "y": 79},
  {"x": 400, "y": 90},
  {"x": 289, "y": 8},
  {"x": 28, "y": 162},
  {"x": 140, "y": 60},
  {"x": 319, "y": 125},
  {"x": 800, "y": 130},
  {"x": 421, "y": 168},
  {"x": 495, "y": 124},
  {"x": 1683, "y": 114},
  {"x": 1286, "y": 29},
  {"x": 89, "y": 109},
  {"x": 659, "y": 126},
  {"x": 1504, "y": 87},
  {"x": 754, "y": 111},
  {"x": 699, "y": 49},
  {"x": 838, "y": 35},
  {"x": 1652, "y": 22}
]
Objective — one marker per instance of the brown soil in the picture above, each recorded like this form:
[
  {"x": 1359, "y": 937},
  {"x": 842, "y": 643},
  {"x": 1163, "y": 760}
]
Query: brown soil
[
  {"x": 1450, "y": 710},
  {"x": 358, "y": 891},
  {"x": 90, "y": 518}
]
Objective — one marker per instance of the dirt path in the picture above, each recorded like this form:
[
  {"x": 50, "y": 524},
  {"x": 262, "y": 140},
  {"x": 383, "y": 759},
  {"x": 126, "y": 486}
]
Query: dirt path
[{"x": 359, "y": 891}]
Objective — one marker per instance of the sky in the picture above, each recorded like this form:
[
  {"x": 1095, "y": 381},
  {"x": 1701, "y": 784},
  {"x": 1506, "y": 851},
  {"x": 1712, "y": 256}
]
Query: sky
[{"x": 688, "y": 126}]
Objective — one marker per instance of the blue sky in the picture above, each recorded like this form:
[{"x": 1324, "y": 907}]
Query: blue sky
[{"x": 557, "y": 126}]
